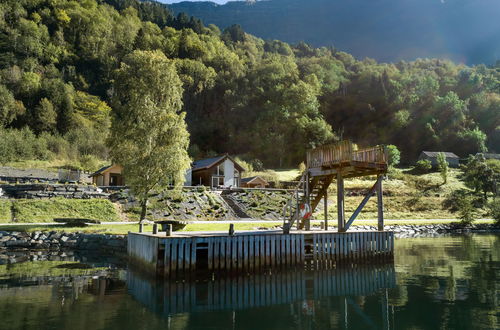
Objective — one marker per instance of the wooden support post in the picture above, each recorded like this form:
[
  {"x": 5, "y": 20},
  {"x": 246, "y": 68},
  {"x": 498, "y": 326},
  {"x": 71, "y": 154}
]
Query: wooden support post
[
  {"x": 340, "y": 202},
  {"x": 326, "y": 209},
  {"x": 380, "y": 205},
  {"x": 308, "y": 201},
  {"x": 169, "y": 230},
  {"x": 155, "y": 229},
  {"x": 231, "y": 229}
]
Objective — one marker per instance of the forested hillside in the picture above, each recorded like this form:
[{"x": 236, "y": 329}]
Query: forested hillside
[
  {"x": 387, "y": 30},
  {"x": 264, "y": 100}
]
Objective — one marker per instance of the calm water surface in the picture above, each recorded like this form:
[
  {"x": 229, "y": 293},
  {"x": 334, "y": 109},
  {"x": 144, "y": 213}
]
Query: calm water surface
[{"x": 434, "y": 283}]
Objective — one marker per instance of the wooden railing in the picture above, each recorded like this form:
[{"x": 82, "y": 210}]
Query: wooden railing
[{"x": 342, "y": 152}]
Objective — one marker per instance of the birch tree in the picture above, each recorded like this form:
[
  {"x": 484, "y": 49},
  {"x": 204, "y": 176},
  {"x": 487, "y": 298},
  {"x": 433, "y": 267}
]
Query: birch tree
[{"x": 148, "y": 136}]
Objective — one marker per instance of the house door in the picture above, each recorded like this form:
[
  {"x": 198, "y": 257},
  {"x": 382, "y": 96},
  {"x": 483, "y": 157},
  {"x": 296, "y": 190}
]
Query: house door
[{"x": 113, "y": 179}]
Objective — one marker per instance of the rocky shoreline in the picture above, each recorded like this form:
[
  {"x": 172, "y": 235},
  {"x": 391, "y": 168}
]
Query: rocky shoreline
[{"x": 54, "y": 245}]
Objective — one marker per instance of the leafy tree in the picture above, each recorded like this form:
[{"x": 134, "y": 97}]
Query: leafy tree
[
  {"x": 45, "y": 116},
  {"x": 442, "y": 166},
  {"x": 394, "y": 155},
  {"x": 9, "y": 107},
  {"x": 148, "y": 134},
  {"x": 479, "y": 176}
]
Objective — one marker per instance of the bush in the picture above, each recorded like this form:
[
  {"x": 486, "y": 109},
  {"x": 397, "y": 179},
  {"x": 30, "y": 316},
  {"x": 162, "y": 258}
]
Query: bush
[
  {"x": 494, "y": 208},
  {"x": 394, "y": 155},
  {"x": 302, "y": 167},
  {"x": 19, "y": 145},
  {"x": 423, "y": 166},
  {"x": 466, "y": 210},
  {"x": 443, "y": 166}
]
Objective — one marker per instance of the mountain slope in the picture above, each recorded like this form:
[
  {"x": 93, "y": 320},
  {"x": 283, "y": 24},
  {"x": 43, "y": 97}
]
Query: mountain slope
[{"x": 387, "y": 30}]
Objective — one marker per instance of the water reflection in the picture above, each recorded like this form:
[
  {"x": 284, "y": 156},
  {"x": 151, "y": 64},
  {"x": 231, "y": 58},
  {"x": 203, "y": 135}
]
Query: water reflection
[
  {"x": 435, "y": 283},
  {"x": 304, "y": 292}
]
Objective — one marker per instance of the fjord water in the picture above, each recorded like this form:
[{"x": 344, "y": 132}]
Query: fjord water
[{"x": 442, "y": 282}]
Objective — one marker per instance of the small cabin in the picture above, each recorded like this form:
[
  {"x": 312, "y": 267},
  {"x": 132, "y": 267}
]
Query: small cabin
[
  {"x": 254, "y": 182},
  {"x": 108, "y": 176},
  {"x": 452, "y": 159},
  {"x": 217, "y": 172},
  {"x": 491, "y": 156}
]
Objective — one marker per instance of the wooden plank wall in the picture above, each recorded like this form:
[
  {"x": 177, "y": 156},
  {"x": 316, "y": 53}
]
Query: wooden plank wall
[
  {"x": 143, "y": 249},
  {"x": 232, "y": 253},
  {"x": 329, "y": 248},
  {"x": 246, "y": 253}
]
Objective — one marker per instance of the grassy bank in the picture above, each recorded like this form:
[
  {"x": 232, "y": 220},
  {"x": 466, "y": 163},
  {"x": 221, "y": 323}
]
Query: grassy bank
[
  {"x": 406, "y": 196},
  {"x": 120, "y": 229},
  {"x": 45, "y": 210}
]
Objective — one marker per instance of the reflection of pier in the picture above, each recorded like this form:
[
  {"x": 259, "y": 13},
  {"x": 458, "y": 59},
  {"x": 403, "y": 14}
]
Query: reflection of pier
[{"x": 245, "y": 292}]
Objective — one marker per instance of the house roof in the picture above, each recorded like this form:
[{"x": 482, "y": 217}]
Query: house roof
[
  {"x": 491, "y": 156},
  {"x": 102, "y": 169},
  {"x": 250, "y": 179},
  {"x": 206, "y": 163},
  {"x": 434, "y": 154}
]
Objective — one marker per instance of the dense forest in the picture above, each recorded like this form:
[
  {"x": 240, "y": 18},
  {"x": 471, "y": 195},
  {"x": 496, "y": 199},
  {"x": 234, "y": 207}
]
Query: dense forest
[
  {"x": 260, "y": 99},
  {"x": 386, "y": 30}
]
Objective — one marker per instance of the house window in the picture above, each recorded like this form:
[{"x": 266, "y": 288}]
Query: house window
[
  {"x": 236, "y": 178},
  {"x": 220, "y": 169}
]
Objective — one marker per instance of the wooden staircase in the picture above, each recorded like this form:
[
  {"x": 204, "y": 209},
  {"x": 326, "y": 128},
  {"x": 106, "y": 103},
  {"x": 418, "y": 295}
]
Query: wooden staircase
[{"x": 310, "y": 190}]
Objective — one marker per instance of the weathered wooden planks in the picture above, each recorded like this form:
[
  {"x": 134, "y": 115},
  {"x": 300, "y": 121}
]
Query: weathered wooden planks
[{"x": 248, "y": 253}]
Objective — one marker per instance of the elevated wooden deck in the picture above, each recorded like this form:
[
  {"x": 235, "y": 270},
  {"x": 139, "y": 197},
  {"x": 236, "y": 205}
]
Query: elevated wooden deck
[{"x": 343, "y": 158}]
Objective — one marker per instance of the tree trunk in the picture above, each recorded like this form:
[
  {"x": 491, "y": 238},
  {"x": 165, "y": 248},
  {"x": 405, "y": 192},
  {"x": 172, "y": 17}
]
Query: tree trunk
[{"x": 144, "y": 208}]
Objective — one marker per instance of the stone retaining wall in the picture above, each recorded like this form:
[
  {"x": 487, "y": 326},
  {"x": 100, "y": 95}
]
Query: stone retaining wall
[
  {"x": 40, "y": 191},
  {"x": 60, "y": 241}
]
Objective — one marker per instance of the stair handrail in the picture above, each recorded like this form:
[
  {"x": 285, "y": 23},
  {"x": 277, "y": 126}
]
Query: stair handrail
[{"x": 292, "y": 204}]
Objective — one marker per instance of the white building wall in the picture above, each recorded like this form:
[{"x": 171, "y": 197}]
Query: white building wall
[
  {"x": 189, "y": 178},
  {"x": 228, "y": 173}
]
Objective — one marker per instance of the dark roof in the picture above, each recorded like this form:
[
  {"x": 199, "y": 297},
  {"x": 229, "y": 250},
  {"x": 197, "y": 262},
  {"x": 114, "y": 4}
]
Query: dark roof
[
  {"x": 250, "y": 179},
  {"x": 210, "y": 162},
  {"x": 491, "y": 156},
  {"x": 99, "y": 171},
  {"x": 434, "y": 154}
]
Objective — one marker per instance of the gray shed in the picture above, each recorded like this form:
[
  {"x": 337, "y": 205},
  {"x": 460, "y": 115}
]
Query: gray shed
[{"x": 452, "y": 159}]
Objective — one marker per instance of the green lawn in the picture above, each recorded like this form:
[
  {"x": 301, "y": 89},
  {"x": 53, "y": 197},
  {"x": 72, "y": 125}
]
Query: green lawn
[
  {"x": 32, "y": 210},
  {"x": 120, "y": 229},
  {"x": 5, "y": 212}
]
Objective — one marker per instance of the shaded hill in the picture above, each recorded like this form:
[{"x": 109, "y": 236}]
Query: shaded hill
[{"x": 388, "y": 30}]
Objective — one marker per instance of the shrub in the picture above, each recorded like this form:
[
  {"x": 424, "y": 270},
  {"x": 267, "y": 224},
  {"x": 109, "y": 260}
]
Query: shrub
[
  {"x": 394, "y": 155},
  {"x": 443, "y": 166},
  {"x": 466, "y": 210},
  {"x": 494, "y": 208},
  {"x": 302, "y": 167},
  {"x": 423, "y": 166}
]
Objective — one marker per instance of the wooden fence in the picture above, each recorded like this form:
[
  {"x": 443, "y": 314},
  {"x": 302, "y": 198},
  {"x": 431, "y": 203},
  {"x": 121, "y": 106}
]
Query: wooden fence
[{"x": 343, "y": 152}]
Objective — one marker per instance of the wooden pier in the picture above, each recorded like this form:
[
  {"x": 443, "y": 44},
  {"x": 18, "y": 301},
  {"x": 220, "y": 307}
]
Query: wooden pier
[
  {"x": 255, "y": 251},
  {"x": 302, "y": 248}
]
